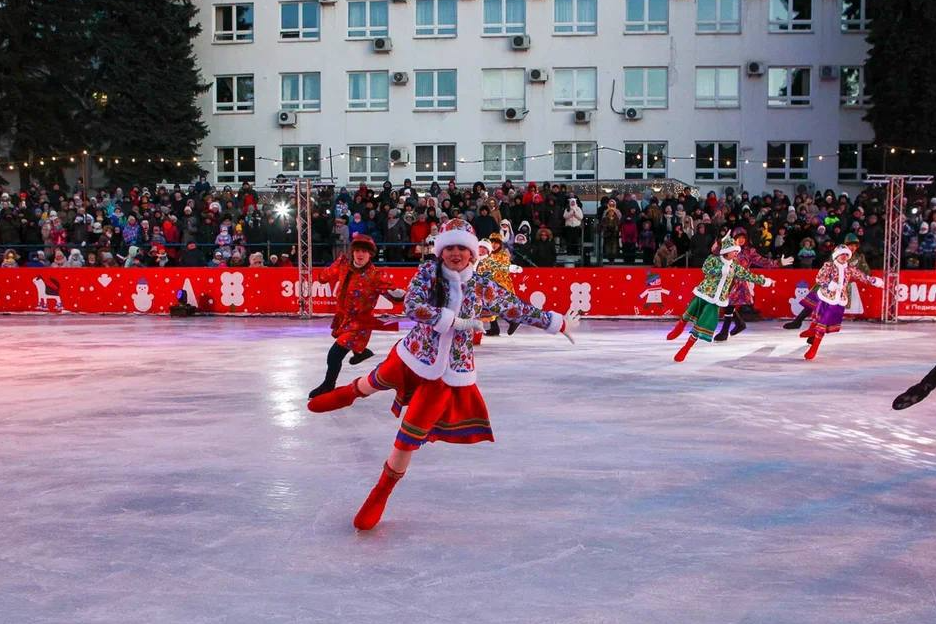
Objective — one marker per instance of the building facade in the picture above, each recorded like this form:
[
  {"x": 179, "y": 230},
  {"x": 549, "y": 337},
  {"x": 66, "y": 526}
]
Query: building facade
[{"x": 758, "y": 94}]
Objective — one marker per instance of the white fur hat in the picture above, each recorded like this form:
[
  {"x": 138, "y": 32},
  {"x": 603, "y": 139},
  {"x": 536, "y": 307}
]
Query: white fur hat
[
  {"x": 841, "y": 249},
  {"x": 456, "y": 232}
]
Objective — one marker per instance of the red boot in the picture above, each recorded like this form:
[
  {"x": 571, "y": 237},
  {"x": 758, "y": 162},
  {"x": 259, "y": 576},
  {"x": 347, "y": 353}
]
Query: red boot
[
  {"x": 681, "y": 355},
  {"x": 369, "y": 515},
  {"x": 814, "y": 347},
  {"x": 680, "y": 326},
  {"x": 336, "y": 399},
  {"x": 476, "y": 338},
  {"x": 810, "y": 332}
]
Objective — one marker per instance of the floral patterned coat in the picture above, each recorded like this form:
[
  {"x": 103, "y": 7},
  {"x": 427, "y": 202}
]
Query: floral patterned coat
[
  {"x": 720, "y": 274},
  {"x": 834, "y": 279},
  {"x": 434, "y": 349},
  {"x": 741, "y": 292},
  {"x": 357, "y": 294},
  {"x": 497, "y": 267}
]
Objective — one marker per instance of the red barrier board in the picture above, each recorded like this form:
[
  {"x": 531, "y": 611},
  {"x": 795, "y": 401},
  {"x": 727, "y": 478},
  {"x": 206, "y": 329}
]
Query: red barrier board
[{"x": 595, "y": 292}]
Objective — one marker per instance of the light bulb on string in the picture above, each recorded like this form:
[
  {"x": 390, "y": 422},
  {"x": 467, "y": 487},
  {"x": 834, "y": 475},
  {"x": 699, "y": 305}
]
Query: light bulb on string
[
  {"x": 100, "y": 159},
  {"x": 42, "y": 163},
  {"x": 71, "y": 159},
  {"x": 116, "y": 161}
]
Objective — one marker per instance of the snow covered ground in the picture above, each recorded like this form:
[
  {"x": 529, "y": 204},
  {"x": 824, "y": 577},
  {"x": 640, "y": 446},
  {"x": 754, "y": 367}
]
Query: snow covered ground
[{"x": 166, "y": 470}]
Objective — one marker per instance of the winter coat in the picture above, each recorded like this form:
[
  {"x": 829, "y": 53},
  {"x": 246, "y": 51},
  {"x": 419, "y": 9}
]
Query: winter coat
[
  {"x": 741, "y": 293},
  {"x": 357, "y": 292},
  {"x": 543, "y": 252},
  {"x": 719, "y": 276},
  {"x": 834, "y": 279}
]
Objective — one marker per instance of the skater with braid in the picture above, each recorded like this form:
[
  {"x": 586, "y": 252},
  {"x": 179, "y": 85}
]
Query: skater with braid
[
  {"x": 917, "y": 392},
  {"x": 720, "y": 273},
  {"x": 432, "y": 370},
  {"x": 360, "y": 284}
]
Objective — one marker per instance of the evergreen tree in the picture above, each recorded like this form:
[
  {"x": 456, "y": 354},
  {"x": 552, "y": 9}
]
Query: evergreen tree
[
  {"x": 900, "y": 77},
  {"x": 144, "y": 63}
]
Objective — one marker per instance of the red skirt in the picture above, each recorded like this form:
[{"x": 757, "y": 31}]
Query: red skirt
[{"x": 434, "y": 409}]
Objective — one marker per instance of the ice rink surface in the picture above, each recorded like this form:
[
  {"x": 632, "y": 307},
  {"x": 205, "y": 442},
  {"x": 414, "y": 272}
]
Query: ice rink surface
[{"x": 167, "y": 471}]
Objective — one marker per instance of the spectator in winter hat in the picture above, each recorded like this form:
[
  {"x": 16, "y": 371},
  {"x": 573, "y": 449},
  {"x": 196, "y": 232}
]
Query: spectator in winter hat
[{"x": 256, "y": 260}]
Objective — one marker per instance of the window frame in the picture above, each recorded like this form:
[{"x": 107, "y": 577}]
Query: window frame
[
  {"x": 863, "y": 22},
  {"x": 718, "y": 101},
  {"x": 716, "y": 169},
  {"x": 721, "y": 27},
  {"x": 862, "y": 99},
  {"x": 789, "y": 173},
  {"x": 790, "y": 100},
  {"x": 301, "y": 105},
  {"x": 369, "y": 101},
  {"x": 790, "y": 25},
  {"x": 369, "y": 30},
  {"x": 505, "y": 28},
  {"x": 236, "y": 35},
  {"x": 576, "y": 28},
  {"x": 862, "y": 154},
  {"x": 505, "y": 102},
  {"x": 646, "y": 101},
  {"x": 644, "y": 172},
  {"x": 435, "y": 99},
  {"x": 370, "y": 174},
  {"x": 501, "y": 174},
  {"x": 236, "y": 176},
  {"x": 237, "y": 106},
  {"x": 578, "y": 151},
  {"x": 576, "y": 104},
  {"x": 436, "y": 27},
  {"x": 301, "y": 171},
  {"x": 301, "y": 31},
  {"x": 645, "y": 26},
  {"x": 436, "y": 173}
]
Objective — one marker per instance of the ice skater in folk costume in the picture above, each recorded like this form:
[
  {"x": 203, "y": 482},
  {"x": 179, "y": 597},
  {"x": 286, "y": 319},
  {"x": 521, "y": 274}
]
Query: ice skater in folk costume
[
  {"x": 720, "y": 271},
  {"x": 833, "y": 280},
  {"x": 742, "y": 293},
  {"x": 360, "y": 284},
  {"x": 497, "y": 265},
  {"x": 811, "y": 300},
  {"x": 432, "y": 370}
]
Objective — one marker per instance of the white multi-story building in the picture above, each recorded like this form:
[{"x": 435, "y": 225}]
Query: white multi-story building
[{"x": 758, "y": 94}]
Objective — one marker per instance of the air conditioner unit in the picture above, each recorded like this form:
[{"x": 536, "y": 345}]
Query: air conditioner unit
[
  {"x": 399, "y": 155},
  {"x": 382, "y": 44},
  {"x": 328, "y": 1},
  {"x": 633, "y": 114},
  {"x": 520, "y": 42},
  {"x": 828, "y": 72},
  {"x": 582, "y": 117},
  {"x": 287, "y": 118},
  {"x": 515, "y": 114},
  {"x": 539, "y": 75},
  {"x": 400, "y": 78},
  {"x": 756, "y": 68}
]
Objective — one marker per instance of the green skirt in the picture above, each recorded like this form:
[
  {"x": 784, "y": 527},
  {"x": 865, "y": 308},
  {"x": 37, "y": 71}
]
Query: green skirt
[{"x": 704, "y": 318}]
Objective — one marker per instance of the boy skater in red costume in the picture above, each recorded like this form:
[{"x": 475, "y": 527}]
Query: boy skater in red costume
[
  {"x": 360, "y": 284},
  {"x": 432, "y": 369}
]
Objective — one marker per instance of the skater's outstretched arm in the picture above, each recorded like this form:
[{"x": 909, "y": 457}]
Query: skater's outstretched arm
[
  {"x": 743, "y": 274},
  {"x": 857, "y": 275},
  {"x": 497, "y": 301}
]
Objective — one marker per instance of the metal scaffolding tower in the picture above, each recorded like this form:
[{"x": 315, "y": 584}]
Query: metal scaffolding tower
[
  {"x": 304, "y": 203},
  {"x": 893, "y": 230}
]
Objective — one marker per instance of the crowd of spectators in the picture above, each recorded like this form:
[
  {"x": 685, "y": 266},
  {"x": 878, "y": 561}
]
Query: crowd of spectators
[{"x": 205, "y": 226}]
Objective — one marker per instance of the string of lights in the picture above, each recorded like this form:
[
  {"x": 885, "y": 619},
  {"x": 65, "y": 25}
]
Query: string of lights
[{"x": 115, "y": 161}]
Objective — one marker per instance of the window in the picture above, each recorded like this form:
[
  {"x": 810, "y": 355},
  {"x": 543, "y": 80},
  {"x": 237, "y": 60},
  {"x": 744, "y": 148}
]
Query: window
[
  {"x": 576, "y": 88},
  {"x": 787, "y": 161},
  {"x": 503, "y": 161},
  {"x": 645, "y": 87},
  {"x": 718, "y": 16},
  {"x": 234, "y": 94},
  {"x": 788, "y": 86},
  {"x": 854, "y": 160},
  {"x": 300, "y": 20},
  {"x": 790, "y": 15},
  {"x": 367, "y": 19},
  {"x": 435, "y": 163},
  {"x": 435, "y": 89},
  {"x": 368, "y": 90},
  {"x": 504, "y": 17},
  {"x": 233, "y": 22},
  {"x": 436, "y": 18},
  {"x": 643, "y": 161},
  {"x": 301, "y": 91},
  {"x": 853, "y": 87},
  {"x": 235, "y": 165},
  {"x": 855, "y": 16},
  {"x": 716, "y": 161},
  {"x": 646, "y": 16},
  {"x": 503, "y": 88},
  {"x": 717, "y": 87},
  {"x": 303, "y": 161},
  {"x": 575, "y": 161},
  {"x": 368, "y": 163},
  {"x": 576, "y": 17}
]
